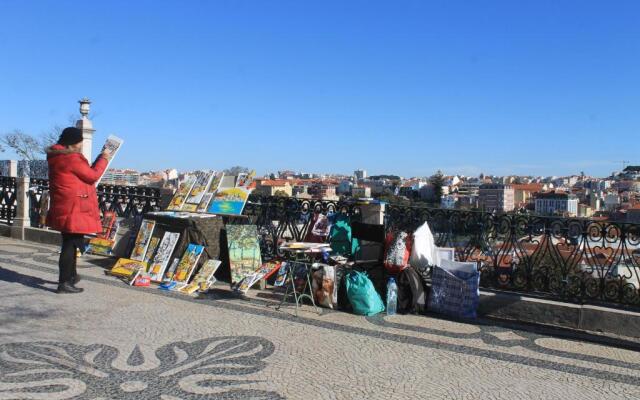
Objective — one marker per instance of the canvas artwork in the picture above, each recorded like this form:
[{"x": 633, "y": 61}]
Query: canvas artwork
[
  {"x": 245, "y": 179},
  {"x": 100, "y": 247},
  {"x": 113, "y": 145},
  {"x": 244, "y": 251},
  {"x": 188, "y": 263},
  {"x": 264, "y": 272},
  {"x": 203, "y": 180},
  {"x": 163, "y": 255},
  {"x": 213, "y": 188},
  {"x": 168, "y": 276},
  {"x": 126, "y": 267},
  {"x": 204, "y": 279},
  {"x": 230, "y": 201},
  {"x": 143, "y": 239},
  {"x": 151, "y": 250},
  {"x": 108, "y": 223},
  {"x": 182, "y": 193},
  {"x": 281, "y": 278}
]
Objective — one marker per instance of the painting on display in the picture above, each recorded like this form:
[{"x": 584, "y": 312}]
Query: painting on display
[
  {"x": 188, "y": 263},
  {"x": 151, "y": 250},
  {"x": 213, "y": 188},
  {"x": 182, "y": 193},
  {"x": 244, "y": 180},
  {"x": 143, "y": 239},
  {"x": 204, "y": 278},
  {"x": 127, "y": 268},
  {"x": 244, "y": 251},
  {"x": 113, "y": 145},
  {"x": 103, "y": 244},
  {"x": 199, "y": 190},
  {"x": 264, "y": 272},
  {"x": 163, "y": 255},
  {"x": 230, "y": 201},
  {"x": 168, "y": 276}
]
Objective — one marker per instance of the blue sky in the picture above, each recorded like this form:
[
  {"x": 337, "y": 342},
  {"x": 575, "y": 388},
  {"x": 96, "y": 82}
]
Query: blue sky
[{"x": 403, "y": 87}]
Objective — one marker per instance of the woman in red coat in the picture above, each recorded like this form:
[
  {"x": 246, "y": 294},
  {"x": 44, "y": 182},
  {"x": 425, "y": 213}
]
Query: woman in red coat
[{"x": 74, "y": 202}]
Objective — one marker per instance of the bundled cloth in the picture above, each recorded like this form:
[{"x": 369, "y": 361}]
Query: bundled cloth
[{"x": 424, "y": 253}]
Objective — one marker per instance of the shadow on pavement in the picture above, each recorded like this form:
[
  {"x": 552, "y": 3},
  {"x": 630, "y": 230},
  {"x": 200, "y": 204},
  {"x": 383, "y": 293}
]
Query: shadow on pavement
[{"x": 26, "y": 280}]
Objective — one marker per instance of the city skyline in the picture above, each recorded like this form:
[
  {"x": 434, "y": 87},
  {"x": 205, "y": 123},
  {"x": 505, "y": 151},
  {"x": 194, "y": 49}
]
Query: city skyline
[{"x": 405, "y": 88}]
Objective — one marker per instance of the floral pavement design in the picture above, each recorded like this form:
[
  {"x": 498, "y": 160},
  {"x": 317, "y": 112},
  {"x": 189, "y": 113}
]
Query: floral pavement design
[{"x": 213, "y": 368}]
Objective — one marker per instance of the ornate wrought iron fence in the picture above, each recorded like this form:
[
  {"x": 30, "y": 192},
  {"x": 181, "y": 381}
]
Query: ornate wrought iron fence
[
  {"x": 282, "y": 219},
  {"x": 126, "y": 201},
  {"x": 576, "y": 260},
  {"x": 8, "y": 189}
]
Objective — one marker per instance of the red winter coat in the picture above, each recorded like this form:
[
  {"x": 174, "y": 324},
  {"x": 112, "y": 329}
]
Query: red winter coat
[{"x": 74, "y": 202}]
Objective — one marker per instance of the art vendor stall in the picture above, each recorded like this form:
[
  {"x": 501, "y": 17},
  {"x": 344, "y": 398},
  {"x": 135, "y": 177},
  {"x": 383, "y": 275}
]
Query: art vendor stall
[{"x": 203, "y": 238}]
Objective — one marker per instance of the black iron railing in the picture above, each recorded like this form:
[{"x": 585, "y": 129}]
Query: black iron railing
[
  {"x": 576, "y": 260},
  {"x": 8, "y": 191},
  {"x": 125, "y": 201},
  {"x": 281, "y": 219}
]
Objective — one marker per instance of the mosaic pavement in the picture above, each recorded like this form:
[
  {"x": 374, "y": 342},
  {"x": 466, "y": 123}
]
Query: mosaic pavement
[{"x": 118, "y": 342}]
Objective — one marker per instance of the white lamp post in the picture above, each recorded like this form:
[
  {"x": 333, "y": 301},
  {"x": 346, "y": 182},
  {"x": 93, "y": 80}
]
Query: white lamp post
[{"x": 86, "y": 127}]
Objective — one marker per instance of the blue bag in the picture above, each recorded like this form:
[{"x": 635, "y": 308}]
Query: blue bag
[
  {"x": 362, "y": 295},
  {"x": 455, "y": 289}
]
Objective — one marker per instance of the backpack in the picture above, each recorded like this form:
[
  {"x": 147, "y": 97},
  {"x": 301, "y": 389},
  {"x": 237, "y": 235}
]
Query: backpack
[{"x": 411, "y": 294}]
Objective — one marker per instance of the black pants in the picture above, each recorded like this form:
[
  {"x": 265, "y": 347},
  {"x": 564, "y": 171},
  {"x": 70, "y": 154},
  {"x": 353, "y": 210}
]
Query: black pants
[{"x": 67, "y": 263}]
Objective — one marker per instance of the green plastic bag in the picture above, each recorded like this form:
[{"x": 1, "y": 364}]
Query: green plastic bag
[
  {"x": 340, "y": 237},
  {"x": 362, "y": 295}
]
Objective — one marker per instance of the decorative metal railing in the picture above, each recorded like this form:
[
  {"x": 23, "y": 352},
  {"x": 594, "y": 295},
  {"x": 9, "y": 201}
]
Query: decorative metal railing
[
  {"x": 576, "y": 260},
  {"x": 282, "y": 219},
  {"x": 126, "y": 201},
  {"x": 8, "y": 190}
]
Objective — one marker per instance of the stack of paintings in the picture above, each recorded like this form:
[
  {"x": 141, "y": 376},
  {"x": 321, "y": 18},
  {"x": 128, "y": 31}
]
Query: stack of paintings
[
  {"x": 200, "y": 188},
  {"x": 104, "y": 242},
  {"x": 213, "y": 193},
  {"x": 203, "y": 279}
]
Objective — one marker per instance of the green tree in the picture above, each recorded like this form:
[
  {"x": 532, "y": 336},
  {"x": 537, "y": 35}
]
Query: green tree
[
  {"x": 280, "y": 193},
  {"x": 437, "y": 181}
]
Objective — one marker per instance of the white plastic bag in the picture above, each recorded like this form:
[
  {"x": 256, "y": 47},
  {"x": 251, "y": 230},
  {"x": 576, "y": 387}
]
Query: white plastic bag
[{"x": 424, "y": 252}]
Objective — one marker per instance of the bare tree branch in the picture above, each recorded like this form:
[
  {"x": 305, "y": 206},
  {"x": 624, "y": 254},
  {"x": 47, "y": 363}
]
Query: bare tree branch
[{"x": 24, "y": 145}]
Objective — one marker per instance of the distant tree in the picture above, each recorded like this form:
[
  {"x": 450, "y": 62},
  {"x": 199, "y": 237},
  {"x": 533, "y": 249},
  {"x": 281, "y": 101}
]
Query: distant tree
[
  {"x": 437, "y": 181},
  {"x": 24, "y": 145},
  {"x": 280, "y": 193}
]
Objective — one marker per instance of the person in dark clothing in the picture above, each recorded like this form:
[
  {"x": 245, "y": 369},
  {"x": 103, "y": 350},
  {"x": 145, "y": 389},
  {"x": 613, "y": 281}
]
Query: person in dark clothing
[{"x": 74, "y": 203}]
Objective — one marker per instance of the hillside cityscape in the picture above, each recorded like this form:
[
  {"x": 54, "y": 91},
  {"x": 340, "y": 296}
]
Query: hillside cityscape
[{"x": 616, "y": 197}]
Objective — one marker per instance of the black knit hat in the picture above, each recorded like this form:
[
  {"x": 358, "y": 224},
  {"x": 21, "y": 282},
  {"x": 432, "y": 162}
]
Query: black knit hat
[{"x": 70, "y": 136}]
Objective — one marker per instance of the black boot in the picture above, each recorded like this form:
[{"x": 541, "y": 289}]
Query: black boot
[
  {"x": 75, "y": 279},
  {"x": 68, "y": 288}
]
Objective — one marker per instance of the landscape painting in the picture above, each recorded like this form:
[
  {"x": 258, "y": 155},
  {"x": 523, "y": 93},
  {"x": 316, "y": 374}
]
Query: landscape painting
[
  {"x": 244, "y": 251},
  {"x": 142, "y": 240},
  {"x": 163, "y": 255},
  {"x": 230, "y": 201}
]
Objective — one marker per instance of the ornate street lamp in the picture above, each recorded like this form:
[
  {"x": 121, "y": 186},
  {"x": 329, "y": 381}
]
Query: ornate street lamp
[{"x": 84, "y": 106}]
